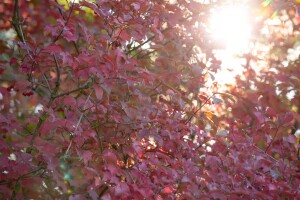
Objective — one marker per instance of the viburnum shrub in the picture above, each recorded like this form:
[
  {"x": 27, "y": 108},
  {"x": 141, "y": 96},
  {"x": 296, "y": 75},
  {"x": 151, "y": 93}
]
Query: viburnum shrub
[{"x": 111, "y": 100}]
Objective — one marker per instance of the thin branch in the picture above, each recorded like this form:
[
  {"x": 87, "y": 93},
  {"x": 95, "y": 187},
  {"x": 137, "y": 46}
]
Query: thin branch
[
  {"x": 154, "y": 36},
  {"x": 140, "y": 45},
  {"x": 259, "y": 149},
  {"x": 266, "y": 151},
  {"x": 61, "y": 13},
  {"x": 17, "y": 25},
  {"x": 47, "y": 82},
  {"x": 37, "y": 84},
  {"x": 16, "y": 21},
  {"x": 150, "y": 52},
  {"x": 160, "y": 151},
  {"x": 57, "y": 82},
  {"x": 129, "y": 174},
  {"x": 99, "y": 137},
  {"x": 194, "y": 114},
  {"x": 262, "y": 151},
  {"x": 21, "y": 176},
  {"x": 86, "y": 86},
  {"x": 78, "y": 123},
  {"x": 103, "y": 191},
  {"x": 43, "y": 116},
  {"x": 66, "y": 21}
]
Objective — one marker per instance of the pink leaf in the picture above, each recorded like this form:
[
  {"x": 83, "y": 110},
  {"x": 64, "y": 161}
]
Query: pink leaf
[
  {"x": 69, "y": 34},
  {"x": 291, "y": 139},
  {"x": 136, "y": 6},
  {"x": 53, "y": 49},
  {"x": 70, "y": 101},
  {"x": 121, "y": 189},
  {"x": 110, "y": 157},
  {"x": 98, "y": 91},
  {"x": 87, "y": 156}
]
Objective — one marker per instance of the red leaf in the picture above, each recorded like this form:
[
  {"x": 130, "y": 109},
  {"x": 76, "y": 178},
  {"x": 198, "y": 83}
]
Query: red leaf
[
  {"x": 13, "y": 61},
  {"x": 286, "y": 118},
  {"x": 291, "y": 139},
  {"x": 122, "y": 189},
  {"x": 87, "y": 156},
  {"x": 70, "y": 101},
  {"x": 259, "y": 117},
  {"x": 53, "y": 49},
  {"x": 47, "y": 148},
  {"x": 98, "y": 91},
  {"x": 69, "y": 33},
  {"x": 93, "y": 194},
  {"x": 110, "y": 157}
]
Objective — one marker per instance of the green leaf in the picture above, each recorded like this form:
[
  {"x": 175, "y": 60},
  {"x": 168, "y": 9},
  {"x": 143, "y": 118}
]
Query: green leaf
[
  {"x": 274, "y": 14},
  {"x": 266, "y": 3},
  {"x": 68, "y": 176}
]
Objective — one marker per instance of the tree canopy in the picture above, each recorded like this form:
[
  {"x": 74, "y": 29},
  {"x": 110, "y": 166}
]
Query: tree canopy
[{"x": 129, "y": 99}]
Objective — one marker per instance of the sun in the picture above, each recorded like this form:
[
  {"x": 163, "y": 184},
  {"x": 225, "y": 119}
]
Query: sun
[
  {"x": 230, "y": 30},
  {"x": 230, "y": 25}
]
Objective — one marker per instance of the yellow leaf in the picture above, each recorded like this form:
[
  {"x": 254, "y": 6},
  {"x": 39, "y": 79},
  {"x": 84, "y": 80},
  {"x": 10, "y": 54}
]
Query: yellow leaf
[{"x": 208, "y": 115}]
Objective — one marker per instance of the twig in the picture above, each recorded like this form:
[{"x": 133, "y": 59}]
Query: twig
[
  {"x": 103, "y": 191},
  {"x": 150, "y": 52},
  {"x": 43, "y": 116},
  {"x": 154, "y": 36},
  {"x": 78, "y": 123},
  {"x": 194, "y": 114},
  {"x": 85, "y": 86},
  {"x": 48, "y": 85},
  {"x": 129, "y": 174},
  {"x": 259, "y": 149},
  {"x": 17, "y": 25},
  {"x": 61, "y": 13},
  {"x": 21, "y": 176},
  {"x": 16, "y": 21},
  {"x": 266, "y": 151},
  {"x": 97, "y": 132},
  {"x": 57, "y": 82},
  {"x": 66, "y": 22}
]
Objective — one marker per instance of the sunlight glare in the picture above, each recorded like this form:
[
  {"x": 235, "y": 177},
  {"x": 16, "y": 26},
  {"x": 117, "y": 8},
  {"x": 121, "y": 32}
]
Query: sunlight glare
[
  {"x": 230, "y": 29},
  {"x": 230, "y": 26}
]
